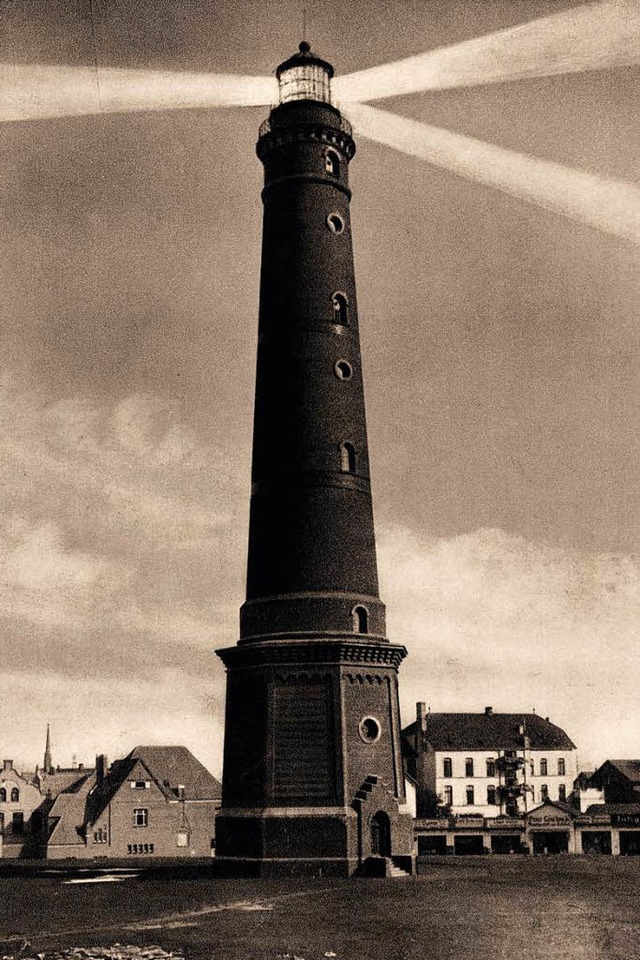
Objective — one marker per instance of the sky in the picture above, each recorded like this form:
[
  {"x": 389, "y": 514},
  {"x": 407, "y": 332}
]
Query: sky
[{"x": 500, "y": 347}]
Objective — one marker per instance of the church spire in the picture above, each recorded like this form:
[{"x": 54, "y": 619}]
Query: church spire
[{"x": 47, "y": 752}]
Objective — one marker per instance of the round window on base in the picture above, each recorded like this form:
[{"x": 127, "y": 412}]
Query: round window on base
[
  {"x": 369, "y": 729},
  {"x": 335, "y": 223}
]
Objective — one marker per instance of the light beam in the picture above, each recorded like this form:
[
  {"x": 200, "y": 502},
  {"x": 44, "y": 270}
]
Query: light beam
[
  {"x": 42, "y": 91},
  {"x": 595, "y": 36},
  {"x": 611, "y": 206}
]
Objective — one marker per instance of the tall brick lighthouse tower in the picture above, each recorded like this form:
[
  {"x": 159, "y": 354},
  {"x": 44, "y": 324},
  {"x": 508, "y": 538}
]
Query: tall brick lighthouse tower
[{"x": 313, "y": 774}]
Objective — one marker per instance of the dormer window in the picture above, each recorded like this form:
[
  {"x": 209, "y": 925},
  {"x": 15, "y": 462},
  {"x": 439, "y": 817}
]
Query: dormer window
[{"x": 140, "y": 784}]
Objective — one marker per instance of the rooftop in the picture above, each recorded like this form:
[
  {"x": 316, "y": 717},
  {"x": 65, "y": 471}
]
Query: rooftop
[
  {"x": 629, "y": 768},
  {"x": 489, "y": 731}
]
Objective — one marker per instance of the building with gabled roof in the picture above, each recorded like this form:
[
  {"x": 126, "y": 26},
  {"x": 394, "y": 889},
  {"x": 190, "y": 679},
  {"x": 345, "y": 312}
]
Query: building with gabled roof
[
  {"x": 487, "y": 764},
  {"x": 619, "y": 780},
  {"x": 156, "y": 801},
  {"x": 20, "y": 801}
]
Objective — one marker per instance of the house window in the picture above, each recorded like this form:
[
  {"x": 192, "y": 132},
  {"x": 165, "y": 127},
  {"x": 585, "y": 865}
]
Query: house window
[
  {"x": 100, "y": 835},
  {"x": 182, "y": 840},
  {"x": 532, "y": 768},
  {"x": 562, "y": 792},
  {"x": 3, "y": 795},
  {"x": 544, "y": 792},
  {"x": 17, "y": 824},
  {"x": 533, "y": 794},
  {"x": 470, "y": 796},
  {"x": 468, "y": 767},
  {"x": 140, "y": 817},
  {"x": 448, "y": 796},
  {"x": 332, "y": 163},
  {"x": 15, "y": 795},
  {"x": 491, "y": 768},
  {"x": 347, "y": 458},
  {"x": 140, "y": 848},
  {"x": 339, "y": 303},
  {"x": 360, "y": 617},
  {"x": 491, "y": 796},
  {"x": 543, "y": 767},
  {"x": 140, "y": 784},
  {"x": 447, "y": 767},
  {"x": 561, "y": 767}
]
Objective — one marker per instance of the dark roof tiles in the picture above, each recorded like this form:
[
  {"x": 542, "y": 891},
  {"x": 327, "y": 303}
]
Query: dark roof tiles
[
  {"x": 489, "y": 731},
  {"x": 618, "y": 809},
  {"x": 173, "y": 767},
  {"x": 629, "y": 768}
]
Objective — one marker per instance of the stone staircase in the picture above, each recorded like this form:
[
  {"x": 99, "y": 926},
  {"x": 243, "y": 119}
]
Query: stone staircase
[{"x": 395, "y": 868}]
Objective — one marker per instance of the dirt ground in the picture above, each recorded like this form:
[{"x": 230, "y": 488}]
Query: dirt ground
[{"x": 560, "y": 908}]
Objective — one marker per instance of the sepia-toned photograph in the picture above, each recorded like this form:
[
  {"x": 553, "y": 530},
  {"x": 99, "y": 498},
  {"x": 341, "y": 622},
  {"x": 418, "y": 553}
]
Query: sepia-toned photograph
[{"x": 319, "y": 479}]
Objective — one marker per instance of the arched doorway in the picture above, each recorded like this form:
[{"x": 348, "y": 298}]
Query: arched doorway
[{"x": 380, "y": 835}]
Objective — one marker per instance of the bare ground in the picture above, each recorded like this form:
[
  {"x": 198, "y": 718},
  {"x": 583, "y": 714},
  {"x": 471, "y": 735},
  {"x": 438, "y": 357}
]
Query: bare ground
[{"x": 560, "y": 908}]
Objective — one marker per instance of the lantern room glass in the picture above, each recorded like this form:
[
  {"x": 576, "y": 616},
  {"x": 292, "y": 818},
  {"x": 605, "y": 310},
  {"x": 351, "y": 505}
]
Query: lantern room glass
[{"x": 307, "y": 82}]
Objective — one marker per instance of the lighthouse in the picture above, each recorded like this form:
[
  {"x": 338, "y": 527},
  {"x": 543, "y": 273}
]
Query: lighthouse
[{"x": 312, "y": 778}]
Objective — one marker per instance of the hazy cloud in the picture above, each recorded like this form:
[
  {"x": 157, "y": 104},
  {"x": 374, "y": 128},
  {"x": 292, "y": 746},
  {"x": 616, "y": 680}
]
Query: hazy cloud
[{"x": 492, "y": 618}]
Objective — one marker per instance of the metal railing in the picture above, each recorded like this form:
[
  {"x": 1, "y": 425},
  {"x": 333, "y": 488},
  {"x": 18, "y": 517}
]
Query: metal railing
[{"x": 339, "y": 122}]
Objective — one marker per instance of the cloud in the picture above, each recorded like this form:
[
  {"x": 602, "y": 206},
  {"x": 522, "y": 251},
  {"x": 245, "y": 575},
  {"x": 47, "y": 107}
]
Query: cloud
[
  {"x": 489, "y": 617},
  {"x": 121, "y": 556},
  {"x": 38, "y": 560},
  {"x": 122, "y": 552}
]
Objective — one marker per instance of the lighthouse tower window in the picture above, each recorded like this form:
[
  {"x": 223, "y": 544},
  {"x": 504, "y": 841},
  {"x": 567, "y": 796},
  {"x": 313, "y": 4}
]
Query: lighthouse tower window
[
  {"x": 347, "y": 458},
  {"x": 343, "y": 370},
  {"x": 332, "y": 163},
  {"x": 360, "y": 617},
  {"x": 369, "y": 729},
  {"x": 339, "y": 303},
  {"x": 335, "y": 223}
]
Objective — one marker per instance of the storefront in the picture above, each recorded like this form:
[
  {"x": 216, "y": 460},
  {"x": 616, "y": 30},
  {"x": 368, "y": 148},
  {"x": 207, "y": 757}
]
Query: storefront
[
  {"x": 596, "y": 842},
  {"x": 507, "y": 843},
  {"x": 628, "y": 826},
  {"x": 468, "y": 844},
  {"x": 550, "y": 829}
]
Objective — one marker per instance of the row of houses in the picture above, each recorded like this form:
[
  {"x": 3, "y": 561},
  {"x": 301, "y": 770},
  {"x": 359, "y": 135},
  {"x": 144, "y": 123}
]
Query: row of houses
[
  {"x": 156, "y": 801},
  {"x": 476, "y": 783}
]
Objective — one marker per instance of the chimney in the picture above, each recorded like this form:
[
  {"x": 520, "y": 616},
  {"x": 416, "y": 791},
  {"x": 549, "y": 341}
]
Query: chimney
[
  {"x": 7, "y": 764},
  {"x": 421, "y": 716},
  {"x": 81, "y": 766},
  {"x": 102, "y": 767},
  {"x": 488, "y": 711}
]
